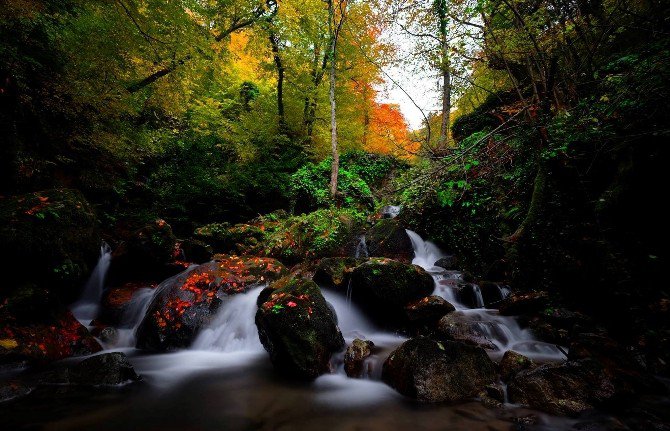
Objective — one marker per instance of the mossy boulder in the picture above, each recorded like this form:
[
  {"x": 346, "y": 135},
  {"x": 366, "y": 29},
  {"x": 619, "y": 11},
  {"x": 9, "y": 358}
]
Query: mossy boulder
[
  {"x": 384, "y": 287},
  {"x": 438, "y": 371},
  {"x": 513, "y": 363},
  {"x": 50, "y": 238},
  {"x": 298, "y": 328},
  {"x": 388, "y": 238},
  {"x": 335, "y": 272},
  {"x": 428, "y": 310},
  {"x": 187, "y": 302},
  {"x": 224, "y": 238},
  {"x": 145, "y": 254},
  {"x": 457, "y": 326}
]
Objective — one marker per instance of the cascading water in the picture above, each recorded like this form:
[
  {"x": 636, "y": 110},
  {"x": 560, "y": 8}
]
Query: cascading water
[
  {"x": 503, "y": 332},
  {"x": 87, "y": 307},
  {"x": 361, "y": 248}
]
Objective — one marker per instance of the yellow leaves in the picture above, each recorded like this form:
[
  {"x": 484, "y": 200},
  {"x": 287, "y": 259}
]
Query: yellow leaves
[{"x": 8, "y": 343}]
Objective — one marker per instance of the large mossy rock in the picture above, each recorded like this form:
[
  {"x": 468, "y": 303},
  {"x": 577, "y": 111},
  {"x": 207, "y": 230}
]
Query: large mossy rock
[
  {"x": 438, "y": 371},
  {"x": 185, "y": 303},
  {"x": 298, "y": 328},
  {"x": 145, "y": 254},
  {"x": 224, "y": 238},
  {"x": 388, "y": 238},
  {"x": 383, "y": 287},
  {"x": 335, "y": 272},
  {"x": 49, "y": 237}
]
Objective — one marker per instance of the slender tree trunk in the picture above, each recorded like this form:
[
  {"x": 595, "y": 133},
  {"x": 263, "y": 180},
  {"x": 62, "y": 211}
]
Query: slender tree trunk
[
  {"x": 335, "y": 167},
  {"x": 442, "y": 13},
  {"x": 274, "y": 41}
]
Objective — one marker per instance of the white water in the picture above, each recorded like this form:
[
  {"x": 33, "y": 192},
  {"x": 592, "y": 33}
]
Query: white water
[
  {"x": 88, "y": 306},
  {"x": 503, "y": 331}
]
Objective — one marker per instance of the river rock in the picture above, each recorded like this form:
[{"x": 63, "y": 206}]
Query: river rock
[
  {"x": 524, "y": 303},
  {"x": 448, "y": 262},
  {"x": 145, "y": 254},
  {"x": 52, "y": 337},
  {"x": 384, "y": 286},
  {"x": 567, "y": 389},
  {"x": 493, "y": 293},
  {"x": 438, "y": 371},
  {"x": 513, "y": 363},
  {"x": 354, "y": 357},
  {"x": 195, "y": 251},
  {"x": 105, "y": 369},
  {"x": 428, "y": 309},
  {"x": 50, "y": 238},
  {"x": 457, "y": 327},
  {"x": 335, "y": 272},
  {"x": 298, "y": 328},
  {"x": 388, "y": 238},
  {"x": 184, "y": 304}
]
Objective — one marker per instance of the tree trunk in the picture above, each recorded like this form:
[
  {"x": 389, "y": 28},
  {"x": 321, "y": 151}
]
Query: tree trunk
[
  {"x": 335, "y": 167},
  {"x": 274, "y": 41},
  {"x": 442, "y": 13}
]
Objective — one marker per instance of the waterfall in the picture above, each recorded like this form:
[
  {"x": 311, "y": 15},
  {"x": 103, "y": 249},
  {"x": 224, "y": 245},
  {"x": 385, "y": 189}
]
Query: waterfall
[
  {"x": 87, "y": 307},
  {"x": 234, "y": 328},
  {"x": 503, "y": 332}
]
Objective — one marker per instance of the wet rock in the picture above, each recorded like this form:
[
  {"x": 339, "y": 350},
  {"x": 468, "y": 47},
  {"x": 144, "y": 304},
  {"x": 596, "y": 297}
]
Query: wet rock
[
  {"x": 298, "y": 328},
  {"x": 513, "y": 363},
  {"x": 55, "y": 336},
  {"x": 492, "y": 396},
  {"x": 428, "y": 309},
  {"x": 354, "y": 357},
  {"x": 105, "y": 369},
  {"x": 109, "y": 335},
  {"x": 193, "y": 250},
  {"x": 438, "y": 371},
  {"x": 568, "y": 389},
  {"x": 335, "y": 272},
  {"x": 49, "y": 238},
  {"x": 493, "y": 293},
  {"x": 457, "y": 327},
  {"x": 384, "y": 286},
  {"x": 524, "y": 303},
  {"x": 187, "y": 302},
  {"x": 449, "y": 262},
  {"x": 388, "y": 238},
  {"x": 116, "y": 300},
  {"x": 145, "y": 254},
  {"x": 465, "y": 293}
]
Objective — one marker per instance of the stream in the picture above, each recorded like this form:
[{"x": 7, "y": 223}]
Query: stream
[{"x": 225, "y": 379}]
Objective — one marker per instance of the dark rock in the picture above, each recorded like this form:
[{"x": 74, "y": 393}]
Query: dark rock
[
  {"x": 115, "y": 301},
  {"x": 388, "y": 238},
  {"x": 524, "y": 303},
  {"x": 568, "y": 389},
  {"x": 335, "y": 272},
  {"x": 55, "y": 337},
  {"x": 465, "y": 293},
  {"x": 193, "y": 250},
  {"x": 384, "y": 286},
  {"x": 513, "y": 363},
  {"x": 298, "y": 328},
  {"x": 105, "y": 369},
  {"x": 428, "y": 309},
  {"x": 449, "y": 262},
  {"x": 145, "y": 254},
  {"x": 458, "y": 327},
  {"x": 559, "y": 325},
  {"x": 493, "y": 293},
  {"x": 354, "y": 358},
  {"x": 187, "y": 302},
  {"x": 437, "y": 371},
  {"x": 48, "y": 238},
  {"x": 12, "y": 389},
  {"x": 109, "y": 335},
  {"x": 493, "y": 396},
  {"x": 224, "y": 238}
]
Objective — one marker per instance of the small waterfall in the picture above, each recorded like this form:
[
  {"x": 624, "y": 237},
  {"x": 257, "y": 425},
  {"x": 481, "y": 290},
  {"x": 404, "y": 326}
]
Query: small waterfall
[
  {"x": 503, "y": 332},
  {"x": 87, "y": 307},
  {"x": 361, "y": 248},
  {"x": 234, "y": 328}
]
